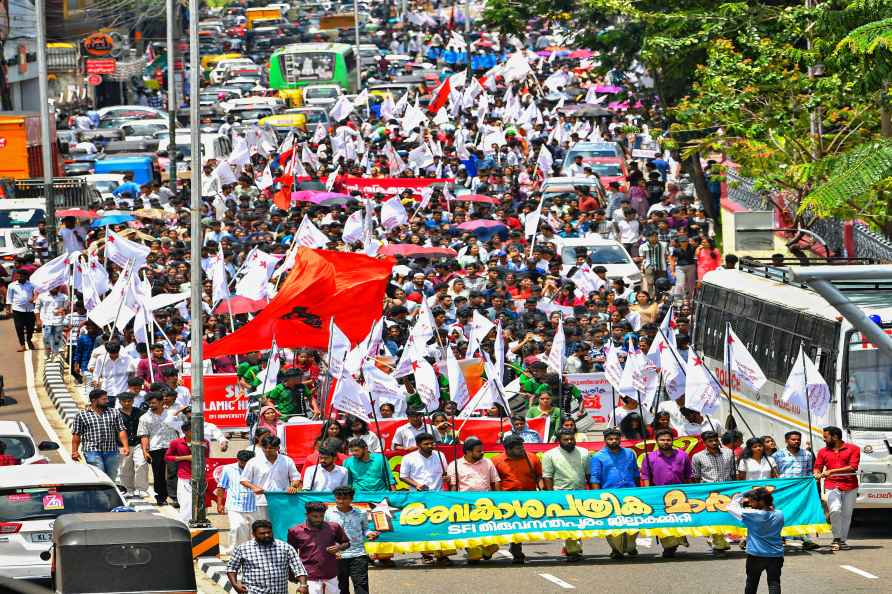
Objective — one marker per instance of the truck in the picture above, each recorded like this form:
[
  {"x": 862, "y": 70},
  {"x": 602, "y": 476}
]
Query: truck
[
  {"x": 21, "y": 155},
  {"x": 261, "y": 13}
]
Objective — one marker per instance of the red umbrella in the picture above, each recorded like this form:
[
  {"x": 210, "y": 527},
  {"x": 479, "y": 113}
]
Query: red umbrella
[
  {"x": 79, "y": 213},
  {"x": 240, "y": 305},
  {"x": 410, "y": 250},
  {"x": 476, "y": 198},
  {"x": 581, "y": 54}
]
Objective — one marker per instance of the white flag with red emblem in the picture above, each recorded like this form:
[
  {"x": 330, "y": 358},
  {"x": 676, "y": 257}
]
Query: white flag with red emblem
[
  {"x": 458, "y": 388},
  {"x": 741, "y": 362},
  {"x": 806, "y": 387},
  {"x": 309, "y": 235},
  {"x": 702, "y": 392},
  {"x": 121, "y": 250},
  {"x": 351, "y": 398},
  {"x": 555, "y": 358},
  {"x": 426, "y": 384},
  {"x": 664, "y": 354},
  {"x": 53, "y": 274}
]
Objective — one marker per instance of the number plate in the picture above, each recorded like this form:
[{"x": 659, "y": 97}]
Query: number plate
[{"x": 41, "y": 537}]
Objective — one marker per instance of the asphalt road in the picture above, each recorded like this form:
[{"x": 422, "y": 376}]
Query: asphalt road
[
  {"x": 17, "y": 404},
  {"x": 693, "y": 570}
]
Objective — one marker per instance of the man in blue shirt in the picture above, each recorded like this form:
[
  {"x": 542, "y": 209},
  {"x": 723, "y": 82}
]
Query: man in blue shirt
[
  {"x": 614, "y": 467},
  {"x": 764, "y": 547},
  {"x": 241, "y": 505},
  {"x": 128, "y": 186}
]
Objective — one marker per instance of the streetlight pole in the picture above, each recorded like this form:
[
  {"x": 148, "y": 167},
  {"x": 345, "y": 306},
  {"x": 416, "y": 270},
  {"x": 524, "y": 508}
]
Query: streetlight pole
[
  {"x": 358, "y": 55},
  {"x": 46, "y": 141},
  {"x": 172, "y": 92},
  {"x": 199, "y": 513}
]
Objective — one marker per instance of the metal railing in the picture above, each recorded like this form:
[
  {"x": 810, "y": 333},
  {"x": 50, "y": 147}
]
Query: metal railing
[{"x": 868, "y": 244}]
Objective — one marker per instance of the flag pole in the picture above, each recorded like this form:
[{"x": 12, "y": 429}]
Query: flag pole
[
  {"x": 807, "y": 395},
  {"x": 71, "y": 312},
  {"x": 613, "y": 405},
  {"x": 126, "y": 285},
  {"x": 728, "y": 371},
  {"x": 387, "y": 475},
  {"x": 454, "y": 453}
]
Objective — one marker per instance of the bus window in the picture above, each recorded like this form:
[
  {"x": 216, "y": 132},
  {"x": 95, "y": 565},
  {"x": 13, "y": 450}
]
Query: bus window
[
  {"x": 868, "y": 384},
  {"x": 350, "y": 60},
  {"x": 316, "y": 66}
]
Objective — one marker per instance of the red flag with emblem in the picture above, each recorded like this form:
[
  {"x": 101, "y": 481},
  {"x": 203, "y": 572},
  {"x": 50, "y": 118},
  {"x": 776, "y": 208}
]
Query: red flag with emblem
[
  {"x": 321, "y": 286},
  {"x": 440, "y": 96}
]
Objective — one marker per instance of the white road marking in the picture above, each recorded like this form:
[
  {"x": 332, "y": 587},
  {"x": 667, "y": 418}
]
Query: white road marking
[
  {"x": 860, "y": 572},
  {"x": 557, "y": 581},
  {"x": 38, "y": 409}
]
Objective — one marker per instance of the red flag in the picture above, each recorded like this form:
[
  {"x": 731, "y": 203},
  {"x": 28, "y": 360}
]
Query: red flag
[
  {"x": 321, "y": 286},
  {"x": 440, "y": 96},
  {"x": 282, "y": 198}
]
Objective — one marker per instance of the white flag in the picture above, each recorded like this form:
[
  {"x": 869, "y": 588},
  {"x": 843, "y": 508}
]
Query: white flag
[
  {"x": 388, "y": 109},
  {"x": 426, "y": 384},
  {"x": 701, "y": 391},
  {"x": 54, "y": 273},
  {"x": 351, "y": 398},
  {"x": 98, "y": 274},
  {"x": 741, "y": 362},
  {"x": 339, "y": 347},
  {"x": 309, "y": 235},
  {"x": 393, "y": 214},
  {"x": 632, "y": 382},
  {"x": 265, "y": 180},
  {"x": 421, "y": 157},
  {"x": 361, "y": 99},
  {"x": 413, "y": 118},
  {"x": 121, "y": 250},
  {"x": 558, "y": 348},
  {"x": 458, "y": 388},
  {"x": 480, "y": 327},
  {"x": 353, "y": 228},
  {"x": 341, "y": 109},
  {"x": 545, "y": 161},
  {"x": 531, "y": 222},
  {"x": 805, "y": 378},
  {"x": 613, "y": 369},
  {"x": 499, "y": 348},
  {"x": 269, "y": 375},
  {"x": 425, "y": 327},
  {"x": 219, "y": 279},
  {"x": 664, "y": 354},
  {"x": 332, "y": 179}
]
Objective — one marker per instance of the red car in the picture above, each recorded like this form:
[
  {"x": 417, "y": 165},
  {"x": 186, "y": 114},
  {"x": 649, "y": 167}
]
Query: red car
[{"x": 609, "y": 169}]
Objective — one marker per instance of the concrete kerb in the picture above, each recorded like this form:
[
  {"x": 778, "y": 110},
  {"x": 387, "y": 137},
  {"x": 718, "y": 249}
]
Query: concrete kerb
[
  {"x": 215, "y": 570},
  {"x": 58, "y": 392}
]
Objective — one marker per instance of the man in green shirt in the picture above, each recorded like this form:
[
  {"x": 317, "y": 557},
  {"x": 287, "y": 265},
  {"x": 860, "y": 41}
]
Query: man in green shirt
[
  {"x": 248, "y": 370},
  {"x": 367, "y": 471},
  {"x": 289, "y": 397},
  {"x": 564, "y": 469}
]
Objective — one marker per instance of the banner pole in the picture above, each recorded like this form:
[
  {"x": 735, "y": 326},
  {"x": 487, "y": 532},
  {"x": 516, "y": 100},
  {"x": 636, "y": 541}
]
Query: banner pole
[
  {"x": 387, "y": 475},
  {"x": 807, "y": 395},
  {"x": 454, "y": 454}
]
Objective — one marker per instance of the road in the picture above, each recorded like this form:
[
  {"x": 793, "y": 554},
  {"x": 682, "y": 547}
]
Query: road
[
  {"x": 19, "y": 404},
  {"x": 693, "y": 570}
]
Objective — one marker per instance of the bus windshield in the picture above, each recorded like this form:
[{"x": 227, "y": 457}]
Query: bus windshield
[
  {"x": 308, "y": 66},
  {"x": 868, "y": 386}
]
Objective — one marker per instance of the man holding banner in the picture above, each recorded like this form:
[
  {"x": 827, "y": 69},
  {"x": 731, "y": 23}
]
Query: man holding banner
[
  {"x": 473, "y": 472},
  {"x": 565, "y": 468},
  {"x": 666, "y": 466},
  {"x": 518, "y": 471},
  {"x": 614, "y": 467}
]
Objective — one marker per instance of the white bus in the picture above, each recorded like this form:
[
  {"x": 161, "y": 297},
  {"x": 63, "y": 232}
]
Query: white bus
[{"x": 774, "y": 315}]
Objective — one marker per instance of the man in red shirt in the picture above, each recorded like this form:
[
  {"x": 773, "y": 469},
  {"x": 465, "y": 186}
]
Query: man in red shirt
[
  {"x": 586, "y": 201},
  {"x": 318, "y": 543},
  {"x": 179, "y": 452},
  {"x": 837, "y": 463},
  {"x": 519, "y": 471}
]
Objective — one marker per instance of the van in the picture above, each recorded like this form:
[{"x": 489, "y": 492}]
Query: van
[
  {"x": 32, "y": 497},
  {"x": 213, "y": 146},
  {"x": 18, "y": 219}
]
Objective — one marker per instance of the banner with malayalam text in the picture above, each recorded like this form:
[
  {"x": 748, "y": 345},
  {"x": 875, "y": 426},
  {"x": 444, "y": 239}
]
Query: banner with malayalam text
[{"x": 411, "y": 521}]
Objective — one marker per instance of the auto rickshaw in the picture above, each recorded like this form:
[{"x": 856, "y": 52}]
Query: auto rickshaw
[{"x": 115, "y": 552}]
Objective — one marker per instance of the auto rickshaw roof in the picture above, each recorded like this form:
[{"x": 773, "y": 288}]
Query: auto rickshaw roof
[{"x": 117, "y": 528}]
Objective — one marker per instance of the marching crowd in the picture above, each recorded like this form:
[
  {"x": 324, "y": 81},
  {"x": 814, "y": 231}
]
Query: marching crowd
[{"x": 500, "y": 133}]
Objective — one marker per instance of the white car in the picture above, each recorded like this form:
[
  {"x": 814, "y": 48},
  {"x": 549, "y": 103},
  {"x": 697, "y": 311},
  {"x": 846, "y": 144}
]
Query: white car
[
  {"x": 221, "y": 70},
  {"x": 20, "y": 444},
  {"x": 601, "y": 252},
  {"x": 32, "y": 497},
  {"x": 321, "y": 95}
]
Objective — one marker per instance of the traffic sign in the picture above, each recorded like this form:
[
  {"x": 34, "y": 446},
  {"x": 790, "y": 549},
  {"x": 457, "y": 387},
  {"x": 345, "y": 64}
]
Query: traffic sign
[
  {"x": 101, "y": 66},
  {"x": 94, "y": 80}
]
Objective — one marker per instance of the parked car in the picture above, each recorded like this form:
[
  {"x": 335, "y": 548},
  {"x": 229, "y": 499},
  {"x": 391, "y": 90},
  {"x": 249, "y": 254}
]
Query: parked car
[
  {"x": 32, "y": 497},
  {"x": 20, "y": 444}
]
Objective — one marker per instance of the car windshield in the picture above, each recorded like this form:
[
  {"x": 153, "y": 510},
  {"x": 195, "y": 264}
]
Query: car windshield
[
  {"x": 606, "y": 169},
  {"x": 321, "y": 92},
  {"x": 252, "y": 114},
  {"x": 869, "y": 382},
  {"x": 31, "y": 503},
  {"x": 597, "y": 254},
  {"x": 606, "y": 150},
  {"x": 18, "y": 446},
  {"x": 21, "y": 217},
  {"x": 315, "y": 117},
  {"x": 106, "y": 185}
]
